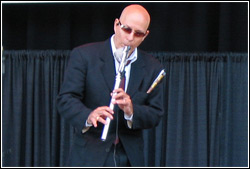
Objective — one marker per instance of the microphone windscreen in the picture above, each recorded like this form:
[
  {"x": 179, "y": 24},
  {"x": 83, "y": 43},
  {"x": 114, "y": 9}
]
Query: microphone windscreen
[{"x": 118, "y": 54}]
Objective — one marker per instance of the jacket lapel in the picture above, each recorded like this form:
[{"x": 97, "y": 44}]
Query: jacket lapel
[
  {"x": 108, "y": 66},
  {"x": 137, "y": 74}
]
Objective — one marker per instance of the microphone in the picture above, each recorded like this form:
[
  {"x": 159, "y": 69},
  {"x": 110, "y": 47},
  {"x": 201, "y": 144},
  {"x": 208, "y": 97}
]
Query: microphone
[
  {"x": 123, "y": 61},
  {"x": 124, "y": 58},
  {"x": 118, "y": 54}
]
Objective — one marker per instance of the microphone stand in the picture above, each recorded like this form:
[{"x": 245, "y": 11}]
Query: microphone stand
[{"x": 118, "y": 79}]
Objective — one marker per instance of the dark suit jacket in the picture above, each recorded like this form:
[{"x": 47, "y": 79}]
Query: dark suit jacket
[{"x": 89, "y": 79}]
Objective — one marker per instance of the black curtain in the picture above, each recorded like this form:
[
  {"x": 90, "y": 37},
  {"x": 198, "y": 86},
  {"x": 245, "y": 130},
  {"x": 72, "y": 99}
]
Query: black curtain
[
  {"x": 205, "y": 121},
  {"x": 175, "y": 27}
]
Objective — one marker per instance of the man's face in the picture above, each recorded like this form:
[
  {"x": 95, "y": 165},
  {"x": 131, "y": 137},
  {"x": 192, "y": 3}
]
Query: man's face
[{"x": 130, "y": 31}]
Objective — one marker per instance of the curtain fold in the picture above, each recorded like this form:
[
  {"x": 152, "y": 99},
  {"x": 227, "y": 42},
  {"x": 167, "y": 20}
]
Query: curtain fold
[{"x": 205, "y": 103}]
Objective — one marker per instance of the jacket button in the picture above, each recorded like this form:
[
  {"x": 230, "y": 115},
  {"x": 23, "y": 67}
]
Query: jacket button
[{"x": 107, "y": 150}]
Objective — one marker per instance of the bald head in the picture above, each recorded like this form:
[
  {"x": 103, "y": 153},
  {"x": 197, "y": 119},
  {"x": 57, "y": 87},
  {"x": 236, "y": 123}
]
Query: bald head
[
  {"x": 132, "y": 27},
  {"x": 138, "y": 13}
]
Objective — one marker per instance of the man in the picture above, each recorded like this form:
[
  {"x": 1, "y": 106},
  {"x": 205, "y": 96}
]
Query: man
[{"x": 88, "y": 88}]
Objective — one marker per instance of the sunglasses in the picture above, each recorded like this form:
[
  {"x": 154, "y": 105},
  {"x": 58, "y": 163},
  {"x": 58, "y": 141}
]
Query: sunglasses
[{"x": 128, "y": 30}]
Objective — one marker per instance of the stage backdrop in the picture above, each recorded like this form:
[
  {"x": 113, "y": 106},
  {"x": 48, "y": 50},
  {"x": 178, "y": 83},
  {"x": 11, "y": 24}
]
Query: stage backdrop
[
  {"x": 205, "y": 121},
  {"x": 203, "y": 47},
  {"x": 175, "y": 27}
]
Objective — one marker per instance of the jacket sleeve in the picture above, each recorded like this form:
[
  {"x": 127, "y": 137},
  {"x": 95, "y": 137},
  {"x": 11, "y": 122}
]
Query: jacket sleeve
[{"x": 69, "y": 100}]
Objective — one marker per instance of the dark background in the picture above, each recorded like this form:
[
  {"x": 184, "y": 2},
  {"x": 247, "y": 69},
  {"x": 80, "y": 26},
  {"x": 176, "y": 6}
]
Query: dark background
[
  {"x": 202, "y": 46},
  {"x": 182, "y": 27}
]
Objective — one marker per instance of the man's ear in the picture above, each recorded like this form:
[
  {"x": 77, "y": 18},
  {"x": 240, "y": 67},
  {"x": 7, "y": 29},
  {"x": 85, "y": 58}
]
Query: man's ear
[
  {"x": 146, "y": 35},
  {"x": 116, "y": 23}
]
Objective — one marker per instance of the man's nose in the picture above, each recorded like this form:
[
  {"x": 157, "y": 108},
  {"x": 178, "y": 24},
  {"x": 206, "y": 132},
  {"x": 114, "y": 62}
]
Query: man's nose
[{"x": 131, "y": 36}]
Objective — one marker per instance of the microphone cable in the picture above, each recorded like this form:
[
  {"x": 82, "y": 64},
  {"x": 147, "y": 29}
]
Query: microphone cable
[{"x": 116, "y": 136}]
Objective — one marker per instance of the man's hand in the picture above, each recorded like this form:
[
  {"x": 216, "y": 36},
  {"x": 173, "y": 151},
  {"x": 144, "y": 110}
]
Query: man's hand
[
  {"x": 99, "y": 115},
  {"x": 122, "y": 99}
]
